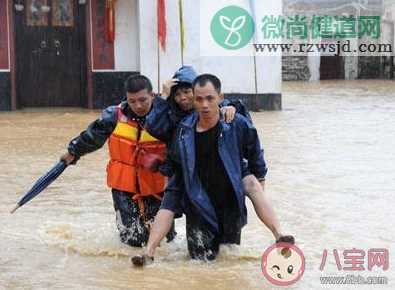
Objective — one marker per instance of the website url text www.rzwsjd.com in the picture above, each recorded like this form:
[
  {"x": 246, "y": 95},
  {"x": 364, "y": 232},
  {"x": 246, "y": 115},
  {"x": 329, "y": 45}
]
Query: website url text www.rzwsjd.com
[
  {"x": 352, "y": 279},
  {"x": 330, "y": 48}
]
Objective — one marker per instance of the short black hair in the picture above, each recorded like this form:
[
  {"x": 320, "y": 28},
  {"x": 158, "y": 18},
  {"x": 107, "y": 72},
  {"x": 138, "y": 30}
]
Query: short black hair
[
  {"x": 178, "y": 86},
  {"x": 203, "y": 79},
  {"x": 136, "y": 83}
]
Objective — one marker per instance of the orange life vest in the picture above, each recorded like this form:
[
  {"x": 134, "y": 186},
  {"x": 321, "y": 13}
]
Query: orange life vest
[{"x": 128, "y": 144}]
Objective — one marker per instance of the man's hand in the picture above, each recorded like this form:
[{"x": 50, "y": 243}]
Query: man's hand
[
  {"x": 150, "y": 161},
  {"x": 229, "y": 113},
  {"x": 68, "y": 158},
  {"x": 166, "y": 88}
]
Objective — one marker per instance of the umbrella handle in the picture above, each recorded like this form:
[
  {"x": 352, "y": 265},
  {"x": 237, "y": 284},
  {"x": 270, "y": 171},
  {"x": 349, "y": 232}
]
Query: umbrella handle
[{"x": 15, "y": 208}]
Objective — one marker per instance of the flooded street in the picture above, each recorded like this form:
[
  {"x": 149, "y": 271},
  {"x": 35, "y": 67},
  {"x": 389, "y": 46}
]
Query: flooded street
[{"x": 331, "y": 157}]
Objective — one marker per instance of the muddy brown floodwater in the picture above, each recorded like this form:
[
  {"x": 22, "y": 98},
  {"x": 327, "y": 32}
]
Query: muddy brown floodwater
[{"x": 331, "y": 156}]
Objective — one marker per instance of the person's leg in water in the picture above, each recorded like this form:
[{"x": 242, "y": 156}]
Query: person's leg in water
[
  {"x": 255, "y": 192},
  {"x": 263, "y": 208},
  {"x": 161, "y": 226},
  {"x": 202, "y": 243},
  {"x": 132, "y": 227}
]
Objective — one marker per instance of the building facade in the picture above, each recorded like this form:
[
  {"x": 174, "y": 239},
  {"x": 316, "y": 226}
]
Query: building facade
[
  {"x": 57, "y": 53},
  {"x": 323, "y": 67}
]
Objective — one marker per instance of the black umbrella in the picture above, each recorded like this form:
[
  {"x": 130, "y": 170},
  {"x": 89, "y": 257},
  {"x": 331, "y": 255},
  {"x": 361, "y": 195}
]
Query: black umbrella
[{"x": 42, "y": 183}]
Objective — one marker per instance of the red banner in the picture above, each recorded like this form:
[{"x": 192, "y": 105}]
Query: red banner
[
  {"x": 162, "y": 31},
  {"x": 4, "y": 58},
  {"x": 103, "y": 51},
  {"x": 110, "y": 20}
]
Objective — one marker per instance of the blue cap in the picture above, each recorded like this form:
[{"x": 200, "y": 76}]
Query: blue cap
[{"x": 186, "y": 74}]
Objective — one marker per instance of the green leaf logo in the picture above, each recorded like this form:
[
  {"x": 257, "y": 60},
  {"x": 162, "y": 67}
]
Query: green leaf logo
[{"x": 232, "y": 27}]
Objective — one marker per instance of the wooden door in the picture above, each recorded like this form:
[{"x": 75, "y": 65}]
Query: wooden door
[
  {"x": 50, "y": 53},
  {"x": 331, "y": 67}
]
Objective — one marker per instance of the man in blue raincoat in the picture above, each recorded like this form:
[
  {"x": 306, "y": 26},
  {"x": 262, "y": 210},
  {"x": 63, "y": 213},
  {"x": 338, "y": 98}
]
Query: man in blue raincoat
[{"x": 207, "y": 156}]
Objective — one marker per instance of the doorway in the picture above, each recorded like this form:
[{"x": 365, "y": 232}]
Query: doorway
[{"x": 50, "y": 53}]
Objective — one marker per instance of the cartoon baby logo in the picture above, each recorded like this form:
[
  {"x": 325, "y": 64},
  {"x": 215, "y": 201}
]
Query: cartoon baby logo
[{"x": 283, "y": 264}]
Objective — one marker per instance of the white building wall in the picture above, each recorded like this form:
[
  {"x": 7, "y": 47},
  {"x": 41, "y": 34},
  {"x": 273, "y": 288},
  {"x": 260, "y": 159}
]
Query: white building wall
[
  {"x": 126, "y": 46},
  {"x": 237, "y": 73},
  {"x": 269, "y": 70},
  {"x": 148, "y": 40}
]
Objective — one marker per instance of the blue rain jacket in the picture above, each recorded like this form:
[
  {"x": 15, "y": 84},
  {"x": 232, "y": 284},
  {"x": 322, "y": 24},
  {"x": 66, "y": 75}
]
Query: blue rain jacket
[{"x": 237, "y": 141}]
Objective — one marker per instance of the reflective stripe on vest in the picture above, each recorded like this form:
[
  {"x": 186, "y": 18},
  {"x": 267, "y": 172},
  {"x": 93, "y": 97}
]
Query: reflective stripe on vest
[{"x": 127, "y": 145}]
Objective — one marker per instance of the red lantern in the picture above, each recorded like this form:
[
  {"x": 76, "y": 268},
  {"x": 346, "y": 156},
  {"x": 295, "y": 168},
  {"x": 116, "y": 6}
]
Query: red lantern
[{"x": 110, "y": 20}]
